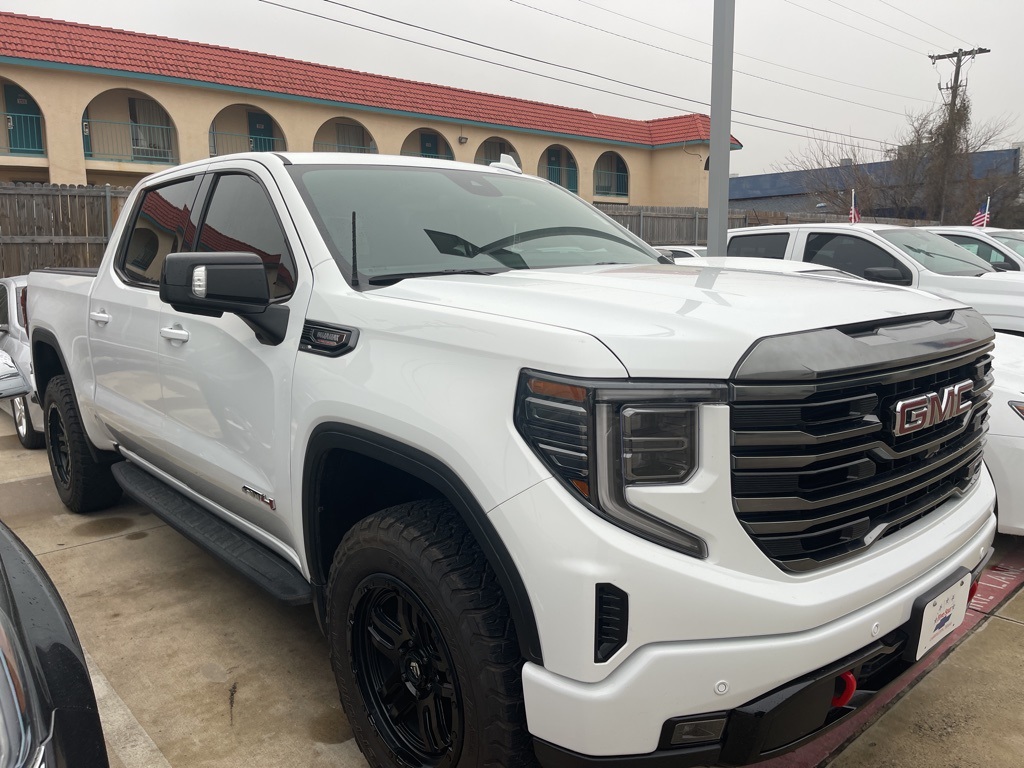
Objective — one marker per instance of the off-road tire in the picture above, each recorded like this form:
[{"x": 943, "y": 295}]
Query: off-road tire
[
  {"x": 28, "y": 435},
  {"x": 425, "y": 548},
  {"x": 83, "y": 484}
]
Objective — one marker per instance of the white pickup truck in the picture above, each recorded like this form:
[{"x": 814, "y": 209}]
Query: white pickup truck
[
  {"x": 549, "y": 497},
  {"x": 906, "y": 256}
]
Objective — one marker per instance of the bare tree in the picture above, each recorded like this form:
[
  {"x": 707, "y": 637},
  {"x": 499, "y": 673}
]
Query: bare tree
[{"x": 924, "y": 173}]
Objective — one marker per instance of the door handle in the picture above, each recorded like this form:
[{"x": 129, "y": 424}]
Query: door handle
[
  {"x": 100, "y": 318},
  {"x": 174, "y": 333}
]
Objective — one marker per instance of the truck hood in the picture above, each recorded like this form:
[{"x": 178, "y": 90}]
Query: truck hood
[
  {"x": 1009, "y": 363},
  {"x": 670, "y": 321}
]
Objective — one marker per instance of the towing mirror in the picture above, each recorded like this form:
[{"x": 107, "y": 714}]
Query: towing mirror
[
  {"x": 12, "y": 381},
  {"x": 889, "y": 275},
  {"x": 214, "y": 283}
]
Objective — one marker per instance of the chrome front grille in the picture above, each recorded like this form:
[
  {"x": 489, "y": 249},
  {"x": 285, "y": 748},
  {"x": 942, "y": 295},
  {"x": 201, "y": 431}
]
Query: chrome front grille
[{"x": 818, "y": 474}]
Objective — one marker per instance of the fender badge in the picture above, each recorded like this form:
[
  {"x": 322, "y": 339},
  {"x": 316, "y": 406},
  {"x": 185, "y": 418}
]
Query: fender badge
[{"x": 259, "y": 496}]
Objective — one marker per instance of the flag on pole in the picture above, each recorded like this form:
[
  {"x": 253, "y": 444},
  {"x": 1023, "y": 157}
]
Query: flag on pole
[
  {"x": 981, "y": 218},
  {"x": 854, "y": 213}
]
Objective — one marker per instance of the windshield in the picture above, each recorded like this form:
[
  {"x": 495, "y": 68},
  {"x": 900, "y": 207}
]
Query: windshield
[
  {"x": 406, "y": 222},
  {"x": 934, "y": 252},
  {"x": 1016, "y": 242}
]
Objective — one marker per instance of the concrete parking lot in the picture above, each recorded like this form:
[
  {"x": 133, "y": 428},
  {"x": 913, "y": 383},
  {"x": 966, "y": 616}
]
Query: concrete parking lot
[{"x": 193, "y": 666}]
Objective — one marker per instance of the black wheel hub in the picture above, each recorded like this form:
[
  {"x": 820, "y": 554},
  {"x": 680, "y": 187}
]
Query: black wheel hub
[
  {"x": 57, "y": 443},
  {"x": 405, "y": 673}
]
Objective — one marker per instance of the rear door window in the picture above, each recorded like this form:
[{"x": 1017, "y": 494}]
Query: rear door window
[
  {"x": 849, "y": 253},
  {"x": 764, "y": 246},
  {"x": 159, "y": 229}
]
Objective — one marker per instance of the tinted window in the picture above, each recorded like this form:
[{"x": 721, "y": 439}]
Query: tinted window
[
  {"x": 414, "y": 220},
  {"x": 159, "y": 229},
  {"x": 766, "y": 246},
  {"x": 4, "y": 319},
  {"x": 982, "y": 250},
  {"x": 241, "y": 217},
  {"x": 849, "y": 253},
  {"x": 934, "y": 253}
]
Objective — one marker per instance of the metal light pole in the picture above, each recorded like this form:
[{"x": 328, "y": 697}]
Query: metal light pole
[{"x": 721, "y": 126}]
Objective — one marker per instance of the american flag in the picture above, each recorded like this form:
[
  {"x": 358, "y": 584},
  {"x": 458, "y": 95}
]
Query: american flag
[
  {"x": 981, "y": 217},
  {"x": 854, "y": 214}
]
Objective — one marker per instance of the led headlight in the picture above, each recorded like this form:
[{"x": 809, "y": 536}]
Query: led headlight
[{"x": 600, "y": 437}]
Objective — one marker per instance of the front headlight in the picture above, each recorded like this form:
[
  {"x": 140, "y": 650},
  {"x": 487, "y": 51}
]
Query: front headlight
[
  {"x": 601, "y": 437},
  {"x": 1018, "y": 407}
]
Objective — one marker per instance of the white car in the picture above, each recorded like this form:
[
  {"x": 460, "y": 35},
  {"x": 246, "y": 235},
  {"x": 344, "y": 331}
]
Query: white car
[
  {"x": 1002, "y": 248},
  {"x": 682, "y": 251},
  {"x": 1004, "y": 453},
  {"x": 28, "y": 416}
]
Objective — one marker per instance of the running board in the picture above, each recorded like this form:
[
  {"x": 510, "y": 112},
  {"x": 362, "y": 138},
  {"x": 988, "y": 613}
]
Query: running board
[{"x": 253, "y": 560}]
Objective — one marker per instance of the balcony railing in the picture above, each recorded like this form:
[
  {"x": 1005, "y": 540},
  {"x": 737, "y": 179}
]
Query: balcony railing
[
  {"x": 228, "y": 143},
  {"x": 129, "y": 142},
  {"x": 24, "y": 135},
  {"x": 564, "y": 176},
  {"x": 611, "y": 184},
  {"x": 435, "y": 155},
  {"x": 323, "y": 146}
]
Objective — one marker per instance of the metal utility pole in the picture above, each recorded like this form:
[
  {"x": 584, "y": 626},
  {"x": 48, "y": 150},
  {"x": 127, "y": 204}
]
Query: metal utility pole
[
  {"x": 721, "y": 129},
  {"x": 954, "y": 89}
]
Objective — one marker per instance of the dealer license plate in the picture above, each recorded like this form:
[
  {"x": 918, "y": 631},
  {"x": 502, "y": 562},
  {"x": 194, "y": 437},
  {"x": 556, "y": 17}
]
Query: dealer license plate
[{"x": 941, "y": 614}]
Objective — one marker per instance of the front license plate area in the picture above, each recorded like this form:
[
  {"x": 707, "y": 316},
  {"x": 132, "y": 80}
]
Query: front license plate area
[{"x": 937, "y": 613}]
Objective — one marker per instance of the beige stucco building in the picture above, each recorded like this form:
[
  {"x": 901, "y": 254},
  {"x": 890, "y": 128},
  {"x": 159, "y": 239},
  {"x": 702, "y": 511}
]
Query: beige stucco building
[{"x": 108, "y": 106}]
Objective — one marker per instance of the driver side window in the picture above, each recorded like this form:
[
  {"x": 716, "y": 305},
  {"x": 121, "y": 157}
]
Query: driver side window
[
  {"x": 849, "y": 253},
  {"x": 983, "y": 250}
]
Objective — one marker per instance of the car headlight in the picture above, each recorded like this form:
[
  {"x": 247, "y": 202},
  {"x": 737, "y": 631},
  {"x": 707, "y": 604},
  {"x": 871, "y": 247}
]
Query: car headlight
[
  {"x": 601, "y": 437},
  {"x": 1018, "y": 407}
]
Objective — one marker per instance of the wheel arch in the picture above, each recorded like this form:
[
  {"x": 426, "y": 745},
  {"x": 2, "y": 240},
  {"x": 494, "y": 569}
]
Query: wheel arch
[
  {"x": 421, "y": 472},
  {"x": 47, "y": 361}
]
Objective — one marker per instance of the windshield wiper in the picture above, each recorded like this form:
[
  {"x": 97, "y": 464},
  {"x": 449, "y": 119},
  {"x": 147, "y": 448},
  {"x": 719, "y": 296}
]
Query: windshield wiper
[{"x": 395, "y": 277}]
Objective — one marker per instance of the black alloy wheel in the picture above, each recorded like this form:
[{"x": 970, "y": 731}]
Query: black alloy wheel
[
  {"x": 57, "y": 440},
  {"x": 405, "y": 673}
]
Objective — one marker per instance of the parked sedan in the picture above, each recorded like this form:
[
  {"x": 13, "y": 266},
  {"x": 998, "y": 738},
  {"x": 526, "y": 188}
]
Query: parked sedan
[
  {"x": 28, "y": 416},
  {"x": 1002, "y": 248}
]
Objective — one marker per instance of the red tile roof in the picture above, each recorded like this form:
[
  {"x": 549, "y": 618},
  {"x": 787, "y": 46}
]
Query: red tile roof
[{"x": 64, "y": 42}]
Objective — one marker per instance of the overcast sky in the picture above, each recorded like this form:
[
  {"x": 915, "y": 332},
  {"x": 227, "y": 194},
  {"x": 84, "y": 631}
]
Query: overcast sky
[{"x": 875, "y": 46}]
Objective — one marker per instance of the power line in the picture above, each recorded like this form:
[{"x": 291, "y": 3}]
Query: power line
[
  {"x": 582, "y": 85},
  {"x": 884, "y": 24},
  {"x": 863, "y": 31},
  {"x": 702, "y": 61},
  {"x": 575, "y": 70},
  {"x": 915, "y": 18},
  {"x": 748, "y": 56}
]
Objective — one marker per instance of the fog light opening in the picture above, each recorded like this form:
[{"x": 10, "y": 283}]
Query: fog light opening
[
  {"x": 974, "y": 589},
  {"x": 846, "y": 686}
]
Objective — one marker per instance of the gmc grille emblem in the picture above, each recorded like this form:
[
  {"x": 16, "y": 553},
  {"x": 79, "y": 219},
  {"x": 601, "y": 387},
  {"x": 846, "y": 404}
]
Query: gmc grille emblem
[{"x": 924, "y": 411}]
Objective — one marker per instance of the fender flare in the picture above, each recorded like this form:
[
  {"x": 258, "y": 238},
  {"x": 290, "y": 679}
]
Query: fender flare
[{"x": 330, "y": 436}]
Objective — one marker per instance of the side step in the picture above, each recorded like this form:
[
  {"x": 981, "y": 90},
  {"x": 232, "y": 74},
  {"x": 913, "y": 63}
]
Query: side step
[{"x": 253, "y": 560}]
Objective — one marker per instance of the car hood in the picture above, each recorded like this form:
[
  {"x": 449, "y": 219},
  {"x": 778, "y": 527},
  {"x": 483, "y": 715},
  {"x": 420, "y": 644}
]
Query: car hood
[{"x": 670, "y": 321}]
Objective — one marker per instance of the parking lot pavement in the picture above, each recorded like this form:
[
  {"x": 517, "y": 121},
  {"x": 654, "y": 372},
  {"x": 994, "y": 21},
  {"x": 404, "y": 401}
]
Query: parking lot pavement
[{"x": 193, "y": 666}]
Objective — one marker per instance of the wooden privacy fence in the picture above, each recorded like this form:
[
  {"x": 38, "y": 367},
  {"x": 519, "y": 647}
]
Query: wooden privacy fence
[
  {"x": 50, "y": 225},
  {"x": 660, "y": 225}
]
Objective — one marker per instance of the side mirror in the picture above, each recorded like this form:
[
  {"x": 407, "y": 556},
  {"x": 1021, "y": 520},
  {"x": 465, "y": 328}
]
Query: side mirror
[
  {"x": 889, "y": 275},
  {"x": 12, "y": 382},
  {"x": 214, "y": 283},
  {"x": 998, "y": 266}
]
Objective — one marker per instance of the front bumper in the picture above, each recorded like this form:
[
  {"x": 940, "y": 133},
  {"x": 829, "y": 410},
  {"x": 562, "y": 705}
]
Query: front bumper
[{"x": 776, "y": 722}]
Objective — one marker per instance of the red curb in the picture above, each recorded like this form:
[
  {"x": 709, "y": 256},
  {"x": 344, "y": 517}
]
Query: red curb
[{"x": 997, "y": 584}]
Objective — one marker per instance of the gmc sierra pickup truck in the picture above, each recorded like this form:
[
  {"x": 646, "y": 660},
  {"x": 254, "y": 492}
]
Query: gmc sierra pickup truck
[{"x": 550, "y": 497}]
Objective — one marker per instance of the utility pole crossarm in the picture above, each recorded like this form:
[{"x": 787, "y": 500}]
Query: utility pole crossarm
[{"x": 960, "y": 54}]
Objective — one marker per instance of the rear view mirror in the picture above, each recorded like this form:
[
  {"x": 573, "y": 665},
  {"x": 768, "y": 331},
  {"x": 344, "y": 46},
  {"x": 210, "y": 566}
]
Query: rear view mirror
[
  {"x": 888, "y": 275},
  {"x": 12, "y": 382}
]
